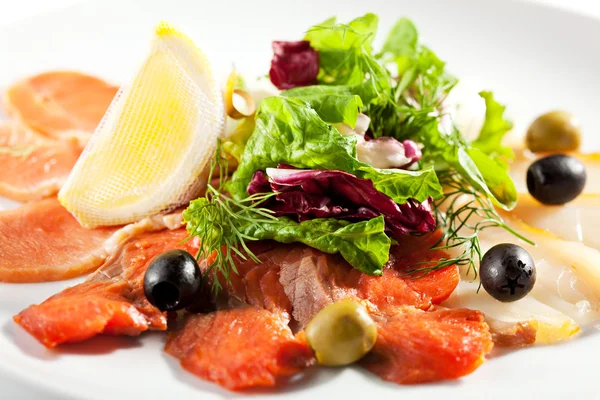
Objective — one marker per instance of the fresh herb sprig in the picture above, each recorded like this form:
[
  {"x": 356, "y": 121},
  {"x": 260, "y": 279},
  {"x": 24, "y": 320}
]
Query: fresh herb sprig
[
  {"x": 215, "y": 221},
  {"x": 462, "y": 214}
]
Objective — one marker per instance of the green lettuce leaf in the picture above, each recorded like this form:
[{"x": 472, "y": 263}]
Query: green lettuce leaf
[
  {"x": 289, "y": 131},
  {"x": 451, "y": 151},
  {"x": 494, "y": 128},
  {"x": 403, "y": 39},
  {"x": 363, "y": 244},
  {"x": 422, "y": 75},
  {"x": 496, "y": 178},
  {"x": 334, "y": 104},
  {"x": 404, "y": 185},
  {"x": 342, "y": 48}
]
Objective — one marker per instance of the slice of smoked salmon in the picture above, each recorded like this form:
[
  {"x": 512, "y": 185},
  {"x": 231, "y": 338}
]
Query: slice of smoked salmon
[
  {"x": 239, "y": 348},
  {"x": 33, "y": 169},
  {"x": 415, "y": 346},
  {"x": 309, "y": 280},
  {"x": 83, "y": 311},
  {"x": 257, "y": 284},
  {"x": 42, "y": 242},
  {"x": 111, "y": 301},
  {"x": 60, "y": 104},
  {"x": 312, "y": 280}
]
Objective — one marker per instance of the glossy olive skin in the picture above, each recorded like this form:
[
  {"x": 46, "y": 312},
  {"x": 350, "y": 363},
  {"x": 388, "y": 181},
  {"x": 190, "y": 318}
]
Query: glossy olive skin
[
  {"x": 341, "y": 333},
  {"x": 556, "y": 131},
  {"x": 556, "y": 179},
  {"x": 507, "y": 272},
  {"x": 172, "y": 280}
]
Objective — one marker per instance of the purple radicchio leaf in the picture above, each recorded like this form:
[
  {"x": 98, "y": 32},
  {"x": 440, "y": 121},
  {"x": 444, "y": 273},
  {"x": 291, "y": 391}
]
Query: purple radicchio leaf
[
  {"x": 308, "y": 194},
  {"x": 294, "y": 64}
]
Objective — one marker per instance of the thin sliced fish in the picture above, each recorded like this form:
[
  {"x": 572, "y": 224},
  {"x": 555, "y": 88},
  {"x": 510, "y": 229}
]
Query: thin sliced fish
[
  {"x": 33, "y": 168},
  {"x": 41, "y": 242},
  {"x": 239, "y": 348},
  {"x": 415, "y": 346},
  {"x": 577, "y": 221},
  {"x": 111, "y": 301},
  {"x": 565, "y": 297},
  {"x": 60, "y": 104}
]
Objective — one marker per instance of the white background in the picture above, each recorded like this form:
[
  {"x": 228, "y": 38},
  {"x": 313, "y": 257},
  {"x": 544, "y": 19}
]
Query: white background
[{"x": 15, "y": 10}]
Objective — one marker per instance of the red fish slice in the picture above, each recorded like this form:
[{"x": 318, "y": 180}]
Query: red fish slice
[
  {"x": 41, "y": 242},
  {"x": 415, "y": 346},
  {"x": 111, "y": 301},
  {"x": 311, "y": 280},
  {"x": 60, "y": 104},
  {"x": 33, "y": 169},
  {"x": 239, "y": 348}
]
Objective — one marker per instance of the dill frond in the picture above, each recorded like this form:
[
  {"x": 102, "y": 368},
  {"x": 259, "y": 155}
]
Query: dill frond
[
  {"x": 216, "y": 219},
  {"x": 462, "y": 213}
]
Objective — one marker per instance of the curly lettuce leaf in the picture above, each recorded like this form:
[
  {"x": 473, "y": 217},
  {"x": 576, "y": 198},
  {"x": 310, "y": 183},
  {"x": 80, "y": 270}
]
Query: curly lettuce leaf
[
  {"x": 363, "y": 244},
  {"x": 494, "y": 128},
  {"x": 334, "y": 104},
  {"x": 288, "y": 131},
  {"x": 404, "y": 185},
  {"x": 342, "y": 48}
]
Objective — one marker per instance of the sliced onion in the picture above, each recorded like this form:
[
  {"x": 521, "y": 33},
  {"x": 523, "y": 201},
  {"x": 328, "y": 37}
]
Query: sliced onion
[{"x": 238, "y": 103}]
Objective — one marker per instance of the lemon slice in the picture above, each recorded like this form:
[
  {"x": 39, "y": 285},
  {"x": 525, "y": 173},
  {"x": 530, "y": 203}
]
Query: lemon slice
[{"x": 152, "y": 149}]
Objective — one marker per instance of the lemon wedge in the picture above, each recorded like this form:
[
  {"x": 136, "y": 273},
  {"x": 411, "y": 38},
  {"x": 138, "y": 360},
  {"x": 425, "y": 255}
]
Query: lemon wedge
[{"x": 152, "y": 149}]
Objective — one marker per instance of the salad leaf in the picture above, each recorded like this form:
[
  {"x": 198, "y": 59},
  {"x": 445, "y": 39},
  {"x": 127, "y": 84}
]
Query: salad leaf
[
  {"x": 363, "y": 244},
  {"x": 402, "y": 39},
  {"x": 450, "y": 151},
  {"x": 422, "y": 84},
  {"x": 496, "y": 178},
  {"x": 342, "y": 48},
  {"x": 494, "y": 128},
  {"x": 307, "y": 194},
  {"x": 401, "y": 186},
  {"x": 288, "y": 131},
  {"x": 236, "y": 142},
  {"x": 334, "y": 104},
  {"x": 293, "y": 64}
]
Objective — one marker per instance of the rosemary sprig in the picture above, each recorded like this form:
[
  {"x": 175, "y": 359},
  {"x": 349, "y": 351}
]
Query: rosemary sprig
[
  {"x": 216, "y": 220},
  {"x": 462, "y": 213}
]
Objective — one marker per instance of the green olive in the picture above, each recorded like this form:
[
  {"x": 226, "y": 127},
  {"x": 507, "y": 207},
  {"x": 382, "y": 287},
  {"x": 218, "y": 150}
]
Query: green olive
[
  {"x": 553, "y": 132},
  {"x": 341, "y": 333}
]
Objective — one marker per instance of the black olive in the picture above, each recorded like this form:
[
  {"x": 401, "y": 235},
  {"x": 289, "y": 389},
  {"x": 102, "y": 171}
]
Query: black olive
[
  {"x": 172, "y": 280},
  {"x": 556, "y": 179},
  {"x": 507, "y": 272}
]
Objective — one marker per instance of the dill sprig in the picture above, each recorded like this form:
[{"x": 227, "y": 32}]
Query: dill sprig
[
  {"x": 462, "y": 213},
  {"x": 217, "y": 220}
]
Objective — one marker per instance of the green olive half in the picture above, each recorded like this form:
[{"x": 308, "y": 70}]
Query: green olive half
[
  {"x": 341, "y": 333},
  {"x": 555, "y": 131}
]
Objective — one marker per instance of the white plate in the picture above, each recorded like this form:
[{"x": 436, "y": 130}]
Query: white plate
[{"x": 534, "y": 58}]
